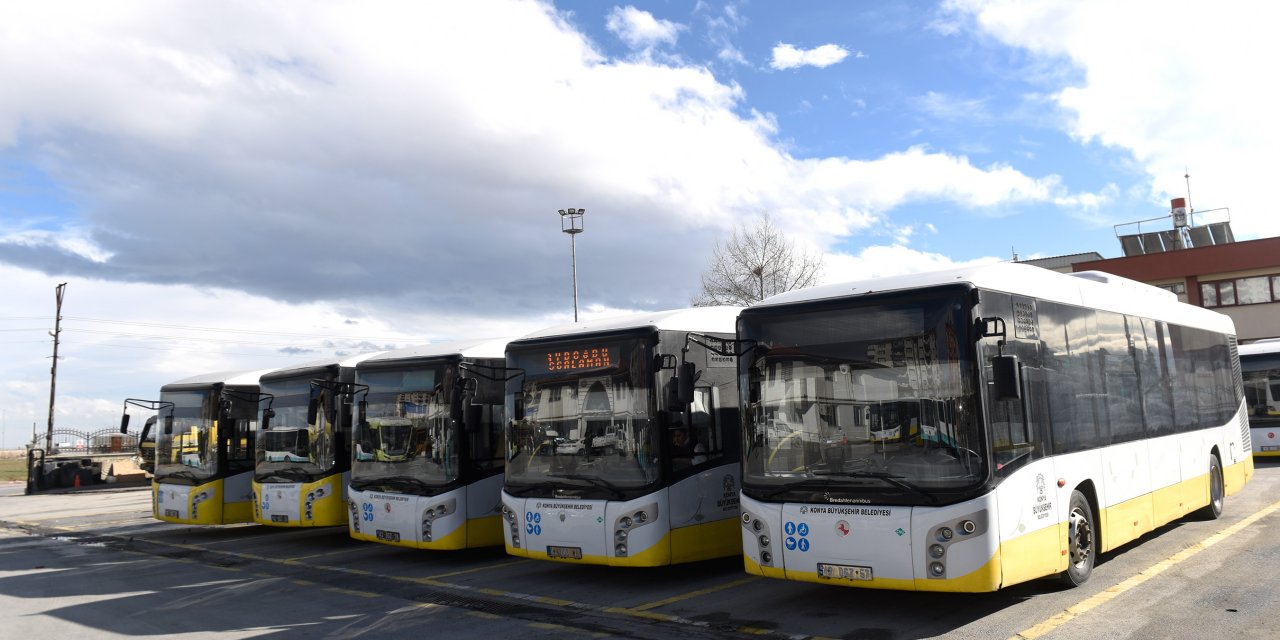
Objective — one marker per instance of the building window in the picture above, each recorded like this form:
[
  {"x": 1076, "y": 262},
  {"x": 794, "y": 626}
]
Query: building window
[
  {"x": 1240, "y": 291},
  {"x": 1179, "y": 288}
]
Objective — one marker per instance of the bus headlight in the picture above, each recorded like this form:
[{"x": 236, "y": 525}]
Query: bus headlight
[
  {"x": 757, "y": 525},
  {"x": 764, "y": 540},
  {"x": 936, "y": 551},
  {"x": 766, "y": 557},
  {"x": 641, "y": 517},
  {"x": 625, "y": 523},
  {"x": 967, "y": 527},
  {"x": 620, "y": 536},
  {"x": 944, "y": 534},
  {"x": 620, "y": 550},
  {"x": 937, "y": 569}
]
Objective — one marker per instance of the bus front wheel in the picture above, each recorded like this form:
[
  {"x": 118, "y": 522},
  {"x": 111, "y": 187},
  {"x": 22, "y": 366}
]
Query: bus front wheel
[
  {"x": 1081, "y": 541},
  {"x": 1213, "y": 510}
]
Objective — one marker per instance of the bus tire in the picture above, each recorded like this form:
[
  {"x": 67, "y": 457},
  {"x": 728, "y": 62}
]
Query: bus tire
[
  {"x": 1217, "y": 490},
  {"x": 1082, "y": 543}
]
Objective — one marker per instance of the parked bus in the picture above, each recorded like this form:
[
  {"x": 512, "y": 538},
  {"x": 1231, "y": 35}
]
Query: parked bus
[
  {"x": 203, "y": 460},
  {"x": 427, "y": 471},
  {"x": 303, "y": 445},
  {"x": 1041, "y": 419},
  {"x": 1260, "y": 365},
  {"x": 624, "y": 443}
]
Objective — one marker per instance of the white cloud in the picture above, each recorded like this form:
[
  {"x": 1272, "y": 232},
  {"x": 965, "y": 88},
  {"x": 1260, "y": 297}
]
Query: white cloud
[
  {"x": 786, "y": 56},
  {"x": 639, "y": 29},
  {"x": 1177, "y": 84},
  {"x": 399, "y": 165},
  {"x": 949, "y": 108},
  {"x": 887, "y": 260}
]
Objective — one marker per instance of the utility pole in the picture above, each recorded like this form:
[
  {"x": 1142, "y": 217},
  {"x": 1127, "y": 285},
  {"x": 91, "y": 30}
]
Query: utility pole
[{"x": 53, "y": 371}]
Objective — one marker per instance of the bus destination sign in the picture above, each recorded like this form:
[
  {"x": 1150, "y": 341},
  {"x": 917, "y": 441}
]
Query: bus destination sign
[{"x": 584, "y": 358}]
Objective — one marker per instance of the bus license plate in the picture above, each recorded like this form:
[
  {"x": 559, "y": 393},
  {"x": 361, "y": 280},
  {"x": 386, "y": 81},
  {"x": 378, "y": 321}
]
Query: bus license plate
[
  {"x": 170, "y": 513},
  {"x": 570, "y": 553},
  {"x": 843, "y": 571},
  {"x": 389, "y": 536},
  {"x": 1266, "y": 448},
  {"x": 279, "y": 518}
]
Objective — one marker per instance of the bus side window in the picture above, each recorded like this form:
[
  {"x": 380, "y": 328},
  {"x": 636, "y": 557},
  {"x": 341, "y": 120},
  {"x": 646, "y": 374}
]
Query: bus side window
[{"x": 704, "y": 429}]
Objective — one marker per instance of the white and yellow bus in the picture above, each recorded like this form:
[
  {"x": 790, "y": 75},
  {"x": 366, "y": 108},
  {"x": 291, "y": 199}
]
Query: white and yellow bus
[
  {"x": 427, "y": 471},
  {"x": 203, "y": 461},
  {"x": 1260, "y": 365},
  {"x": 1024, "y": 421},
  {"x": 303, "y": 445},
  {"x": 624, "y": 444}
]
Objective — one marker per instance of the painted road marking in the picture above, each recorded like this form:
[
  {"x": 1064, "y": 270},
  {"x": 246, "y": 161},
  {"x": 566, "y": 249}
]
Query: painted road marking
[
  {"x": 1154, "y": 570},
  {"x": 694, "y": 594}
]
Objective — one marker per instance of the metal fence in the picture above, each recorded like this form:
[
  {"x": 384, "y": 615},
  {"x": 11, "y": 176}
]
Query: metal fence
[{"x": 72, "y": 442}]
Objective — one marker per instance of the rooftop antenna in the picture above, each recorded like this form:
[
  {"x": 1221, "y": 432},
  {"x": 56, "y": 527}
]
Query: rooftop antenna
[
  {"x": 1015, "y": 253},
  {"x": 1187, "y": 176}
]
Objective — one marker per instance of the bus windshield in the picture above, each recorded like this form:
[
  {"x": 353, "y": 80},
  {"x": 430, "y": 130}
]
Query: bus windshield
[
  {"x": 860, "y": 400},
  {"x": 406, "y": 440},
  {"x": 290, "y": 449},
  {"x": 188, "y": 451},
  {"x": 587, "y": 428},
  {"x": 1262, "y": 388}
]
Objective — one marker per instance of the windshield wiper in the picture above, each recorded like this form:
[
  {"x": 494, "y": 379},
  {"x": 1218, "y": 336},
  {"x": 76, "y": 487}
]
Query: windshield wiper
[
  {"x": 288, "y": 473},
  {"x": 184, "y": 474},
  {"x": 395, "y": 482},
  {"x": 593, "y": 480},
  {"x": 893, "y": 479}
]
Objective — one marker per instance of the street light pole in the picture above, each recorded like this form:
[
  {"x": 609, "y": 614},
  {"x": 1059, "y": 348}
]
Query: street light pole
[{"x": 571, "y": 223}]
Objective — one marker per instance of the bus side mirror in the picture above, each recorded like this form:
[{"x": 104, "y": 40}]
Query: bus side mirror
[
  {"x": 267, "y": 415},
  {"x": 362, "y": 413},
  {"x": 168, "y": 425},
  {"x": 146, "y": 429},
  {"x": 684, "y": 383},
  {"x": 518, "y": 409},
  {"x": 124, "y": 423},
  {"x": 313, "y": 410},
  {"x": 1005, "y": 377}
]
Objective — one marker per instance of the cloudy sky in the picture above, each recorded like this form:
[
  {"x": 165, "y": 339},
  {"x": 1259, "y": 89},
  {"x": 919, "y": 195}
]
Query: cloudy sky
[{"x": 236, "y": 185}]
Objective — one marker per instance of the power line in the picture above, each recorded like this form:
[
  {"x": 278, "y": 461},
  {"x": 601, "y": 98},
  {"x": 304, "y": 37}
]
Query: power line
[
  {"x": 220, "y": 329},
  {"x": 153, "y": 336}
]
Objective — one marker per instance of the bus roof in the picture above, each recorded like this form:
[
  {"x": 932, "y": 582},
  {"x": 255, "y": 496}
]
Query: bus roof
[
  {"x": 1091, "y": 289},
  {"x": 473, "y": 348},
  {"x": 1265, "y": 346},
  {"x": 223, "y": 377},
  {"x": 720, "y": 319},
  {"x": 346, "y": 362}
]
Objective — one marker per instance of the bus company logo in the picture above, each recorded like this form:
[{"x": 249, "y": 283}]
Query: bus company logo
[
  {"x": 804, "y": 510},
  {"x": 386, "y": 506},
  {"x": 842, "y": 528},
  {"x": 1043, "y": 504},
  {"x": 730, "y": 486}
]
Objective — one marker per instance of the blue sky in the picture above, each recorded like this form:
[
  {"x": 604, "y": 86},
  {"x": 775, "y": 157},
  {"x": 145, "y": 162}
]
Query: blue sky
[{"x": 236, "y": 186}]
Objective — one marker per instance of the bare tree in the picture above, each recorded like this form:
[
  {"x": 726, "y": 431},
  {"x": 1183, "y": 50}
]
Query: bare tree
[{"x": 755, "y": 263}]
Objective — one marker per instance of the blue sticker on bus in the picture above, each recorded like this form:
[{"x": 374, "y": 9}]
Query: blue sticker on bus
[
  {"x": 791, "y": 544},
  {"x": 804, "y": 544},
  {"x": 803, "y": 529},
  {"x": 789, "y": 528}
]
